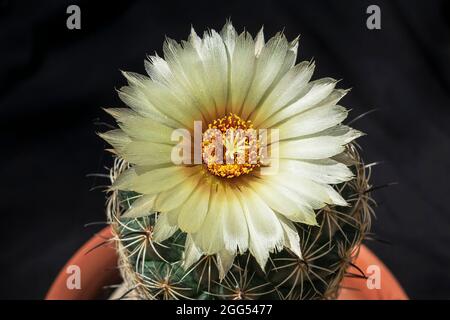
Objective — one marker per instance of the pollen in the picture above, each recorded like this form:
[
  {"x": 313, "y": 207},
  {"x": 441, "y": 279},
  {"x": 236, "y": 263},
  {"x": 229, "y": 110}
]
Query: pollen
[{"x": 230, "y": 147}]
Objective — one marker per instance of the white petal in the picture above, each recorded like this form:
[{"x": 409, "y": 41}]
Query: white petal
[
  {"x": 209, "y": 237},
  {"x": 284, "y": 201},
  {"x": 291, "y": 237},
  {"x": 188, "y": 71},
  {"x": 214, "y": 57},
  {"x": 177, "y": 196},
  {"x": 124, "y": 180},
  {"x": 312, "y": 148},
  {"x": 306, "y": 202},
  {"x": 319, "y": 90},
  {"x": 289, "y": 62},
  {"x": 322, "y": 145},
  {"x": 159, "y": 180},
  {"x": 312, "y": 121},
  {"x": 163, "y": 230},
  {"x": 121, "y": 113},
  {"x": 259, "y": 42},
  {"x": 293, "y": 85},
  {"x": 146, "y": 153},
  {"x": 158, "y": 70},
  {"x": 291, "y": 57},
  {"x": 136, "y": 99},
  {"x": 194, "y": 210},
  {"x": 241, "y": 71},
  {"x": 175, "y": 79},
  {"x": 229, "y": 36},
  {"x": 235, "y": 230},
  {"x": 141, "y": 207},
  {"x": 335, "y": 197},
  {"x": 191, "y": 253},
  {"x": 310, "y": 192},
  {"x": 225, "y": 261},
  {"x": 176, "y": 106},
  {"x": 172, "y": 216},
  {"x": 117, "y": 138},
  {"x": 141, "y": 128},
  {"x": 268, "y": 64},
  {"x": 266, "y": 233},
  {"x": 323, "y": 171}
]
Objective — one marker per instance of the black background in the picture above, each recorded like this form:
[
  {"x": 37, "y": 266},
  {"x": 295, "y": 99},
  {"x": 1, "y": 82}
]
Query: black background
[{"x": 53, "y": 82}]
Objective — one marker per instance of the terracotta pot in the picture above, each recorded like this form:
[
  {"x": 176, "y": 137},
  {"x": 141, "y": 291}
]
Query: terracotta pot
[{"x": 99, "y": 270}]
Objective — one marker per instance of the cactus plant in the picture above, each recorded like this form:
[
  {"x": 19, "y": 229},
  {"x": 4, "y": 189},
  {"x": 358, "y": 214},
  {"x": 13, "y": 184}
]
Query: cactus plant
[{"x": 235, "y": 82}]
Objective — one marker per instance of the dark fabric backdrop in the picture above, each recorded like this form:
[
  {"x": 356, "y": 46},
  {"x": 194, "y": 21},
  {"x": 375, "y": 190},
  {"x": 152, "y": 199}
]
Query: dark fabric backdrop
[{"x": 53, "y": 82}]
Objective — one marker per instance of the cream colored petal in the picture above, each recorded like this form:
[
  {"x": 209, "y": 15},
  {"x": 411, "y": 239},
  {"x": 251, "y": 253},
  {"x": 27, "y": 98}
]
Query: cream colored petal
[
  {"x": 289, "y": 62},
  {"x": 141, "y": 128},
  {"x": 172, "y": 216},
  {"x": 291, "y": 55},
  {"x": 266, "y": 233},
  {"x": 194, "y": 210},
  {"x": 175, "y": 106},
  {"x": 229, "y": 36},
  {"x": 259, "y": 42},
  {"x": 214, "y": 57},
  {"x": 291, "y": 237},
  {"x": 141, "y": 207},
  {"x": 158, "y": 69},
  {"x": 303, "y": 191},
  {"x": 135, "y": 79},
  {"x": 147, "y": 153},
  {"x": 312, "y": 121},
  {"x": 162, "y": 179},
  {"x": 125, "y": 180},
  {"x": 310, "y": 192},
  {"x": 304, "y": 200},
  {"x": 116, "y": 138},
  {"x": 268, "y": 65},
  {"x": 242, "y": 69},
  {"x": 318, "y": 91},
  {"x": 191, "y": 253},
  {"x": 335, "y": 197},
  {"x": 284, "y": 201},
  {"x": 293, "y": 85},
  {"x": 137, "y": 100},
  {"x": 235, "y": 230},
  {"x": 174, "y": 77},
  {"x": 343, "y": 132},
  {"x": 319, "y": 146},
  {"x": 170, "y": 99},
  {"x": 188, "y": 70},
  {"x": 163, "y": 229},
  {"x": 225, "y": 260},
  {"x": 177, "y": 196},
  {"x": 121, "y": 113},
  {"x": 312, "y": 148},
  {"x": 323, "y": 171},
  {"x": 209, "y": 238}
]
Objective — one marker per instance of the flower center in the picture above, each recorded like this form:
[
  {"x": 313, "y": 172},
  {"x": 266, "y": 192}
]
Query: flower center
[{"x": 230, "y": 147}]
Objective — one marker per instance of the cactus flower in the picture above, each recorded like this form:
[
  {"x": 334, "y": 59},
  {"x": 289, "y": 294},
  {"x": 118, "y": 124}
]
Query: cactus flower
[{"x": 231, "y": 82}]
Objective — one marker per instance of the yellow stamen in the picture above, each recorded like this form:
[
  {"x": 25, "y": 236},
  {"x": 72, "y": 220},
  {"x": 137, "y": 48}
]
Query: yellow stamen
[{"x": 237, "y": 146}]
